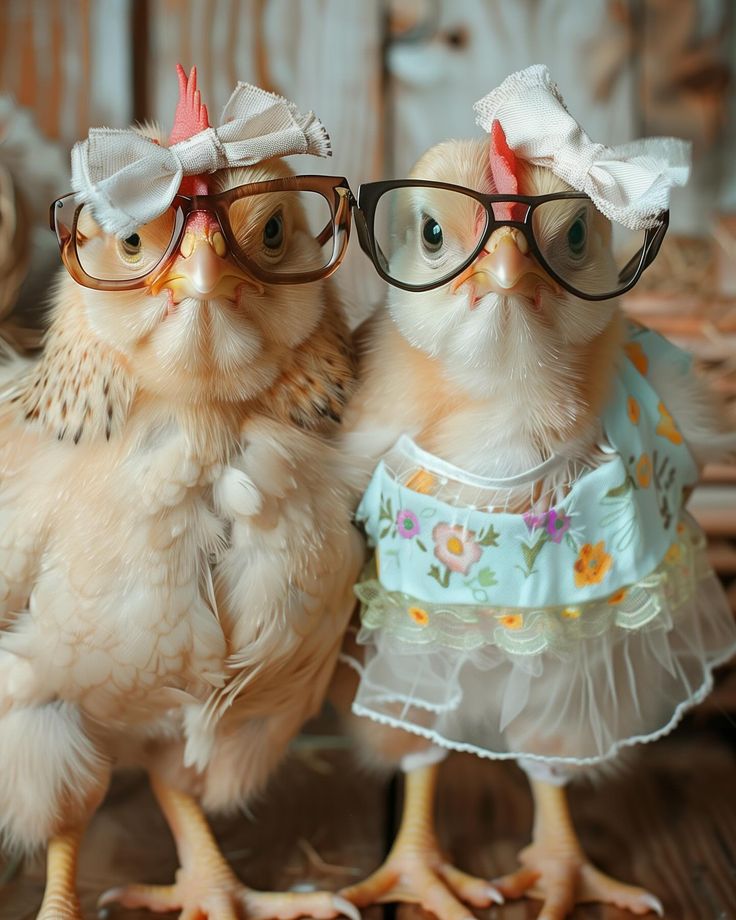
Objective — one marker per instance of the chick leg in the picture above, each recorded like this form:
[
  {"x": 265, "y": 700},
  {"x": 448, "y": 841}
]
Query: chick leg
[
  {"x": 556, "y": 870},
  {"x": 60, "y": 901},
  {"x": 206, "y": 886},
  {"x": 415, "y": 870}
]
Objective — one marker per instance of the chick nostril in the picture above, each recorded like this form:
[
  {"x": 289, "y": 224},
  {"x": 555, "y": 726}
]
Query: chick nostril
[
  {"x": 218, "y": 244},
  {"x": 187, "y": 245}
]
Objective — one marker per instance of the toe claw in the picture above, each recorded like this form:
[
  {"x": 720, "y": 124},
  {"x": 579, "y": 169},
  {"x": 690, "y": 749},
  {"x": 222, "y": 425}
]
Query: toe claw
[
  {"x": 495, "y": 895},
  {"x": 653, "y": 903},
  {"x": 345, "y": 908}
]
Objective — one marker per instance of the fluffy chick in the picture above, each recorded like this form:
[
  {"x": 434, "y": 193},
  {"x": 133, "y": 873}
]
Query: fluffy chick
[
  {"x": 173, "y": 520},
  {"x": 495, "y": 384}
]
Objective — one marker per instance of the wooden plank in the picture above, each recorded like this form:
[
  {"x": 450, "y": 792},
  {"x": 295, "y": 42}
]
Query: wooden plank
[{"x": 319, "y": 824}]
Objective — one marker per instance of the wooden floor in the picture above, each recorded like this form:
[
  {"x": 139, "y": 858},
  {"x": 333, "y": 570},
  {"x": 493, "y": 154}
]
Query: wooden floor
[{"x": 668, "y": 824}]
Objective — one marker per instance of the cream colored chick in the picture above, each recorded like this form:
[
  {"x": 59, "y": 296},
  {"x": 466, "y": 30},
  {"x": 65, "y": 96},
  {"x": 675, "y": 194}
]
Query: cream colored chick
[
  {"x": 494, "y": 372},
  {"x": 173, "y": 521}
]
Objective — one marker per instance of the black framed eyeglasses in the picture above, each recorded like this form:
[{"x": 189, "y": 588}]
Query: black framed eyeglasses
[{"x": 421, "y": 234}]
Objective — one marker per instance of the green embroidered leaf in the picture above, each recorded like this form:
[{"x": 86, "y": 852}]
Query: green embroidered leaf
[
  {"x": 480, "y": 596},
  {"x": 441, "y": 577},
  {"x": 489, "y": 537},
  {"x": 385, "y": 531},
  {"x": 421, "y": 545},
  {"x": 487, "y": 578},
  {"x": 389, "y": 508},
  {"x": 618, "y": 491},
  {"x": 428, "y": 512},
  {"x": 530, "y": 552},
  {"x": 572, "y": 543}
]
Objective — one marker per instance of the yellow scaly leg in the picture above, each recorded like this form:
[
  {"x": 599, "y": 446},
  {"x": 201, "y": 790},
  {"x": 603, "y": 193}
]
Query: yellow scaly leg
[
  {"x": 556, "y": 870},
  {"x": 60, "y": 901},
  {"x": 206, "y": 886},
  {"x": 415, "y": 870}
]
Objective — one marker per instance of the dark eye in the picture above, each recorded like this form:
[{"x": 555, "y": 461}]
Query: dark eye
[
  {"x": 431, "y": 235},
  {"x": 130, "y": 247},
  {"x": 273, "y": 232},
  {"x": 577, "y": 236}
]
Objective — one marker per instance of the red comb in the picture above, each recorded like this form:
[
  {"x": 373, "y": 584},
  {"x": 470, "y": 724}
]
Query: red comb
[
  {"x": 189, "y": 119},
  {"x": 191, "y": 115},
  {"x": 503, "y": 170}
]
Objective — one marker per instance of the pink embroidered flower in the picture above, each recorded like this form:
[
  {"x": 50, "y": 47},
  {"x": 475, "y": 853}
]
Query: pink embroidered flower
[
  {"x": 455, "y": 547},
  {"x": 557, "y": 525},
  {"x": 534, "y": 521},
  {"x": 407, "y": 524}
]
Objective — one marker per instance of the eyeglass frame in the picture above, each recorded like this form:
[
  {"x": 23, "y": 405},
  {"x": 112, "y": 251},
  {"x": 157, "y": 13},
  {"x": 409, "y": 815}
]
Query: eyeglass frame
[
  {"x": 334, "y": 189},
  {"x": 369, "y": 194}
]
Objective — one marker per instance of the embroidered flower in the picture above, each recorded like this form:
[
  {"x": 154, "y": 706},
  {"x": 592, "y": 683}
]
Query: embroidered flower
[
  {"x": 455, "y": 547},
  {"x": 571, "y": 613},
  {"x": 617, "y": 596},
  {"x": 407, "y": 524},
  {"x": 592, "y": 565},
  {"x": 534, "y": 521},
  {"x": 421, "y": 481},
  {"x": 673, "y": 554},
  {"x": 634, "y": 412},
  {"x": 637, "y": 356},
  {"x": 419, "y": 615},
  {"x": 511, "y": 620},
  {"x": 557, "y": 525},
  {"x": 644, "y": 471},
  {"x": 666, "y": 427}
]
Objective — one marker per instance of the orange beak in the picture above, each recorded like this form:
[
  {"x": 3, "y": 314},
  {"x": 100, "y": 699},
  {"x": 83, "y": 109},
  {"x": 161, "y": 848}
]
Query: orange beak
[
  {"x": 202, "y": 270},
  {"x": 505, "y": 267}
]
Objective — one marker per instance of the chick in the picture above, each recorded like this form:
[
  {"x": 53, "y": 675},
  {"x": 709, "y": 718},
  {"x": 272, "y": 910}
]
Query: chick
[
  {"x": 493, "y": 392},
  {"x": 173, "y": 522}
]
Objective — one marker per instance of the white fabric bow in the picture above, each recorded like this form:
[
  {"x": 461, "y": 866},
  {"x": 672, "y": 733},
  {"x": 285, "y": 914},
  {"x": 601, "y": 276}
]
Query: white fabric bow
[
  {"x": 630, "y": 183},
  {"x": 128, "y": 179}
]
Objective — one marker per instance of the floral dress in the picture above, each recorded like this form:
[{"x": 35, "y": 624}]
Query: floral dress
[{"x": 558, "y": 635}]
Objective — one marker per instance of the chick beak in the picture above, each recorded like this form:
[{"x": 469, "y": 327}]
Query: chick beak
[
  {"x": 202, "y": 270},
  {"x": 505, "y": 267}
]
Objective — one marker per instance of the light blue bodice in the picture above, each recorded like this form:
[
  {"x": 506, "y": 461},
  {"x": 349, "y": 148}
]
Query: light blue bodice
[{"x": 614, "y": 527}]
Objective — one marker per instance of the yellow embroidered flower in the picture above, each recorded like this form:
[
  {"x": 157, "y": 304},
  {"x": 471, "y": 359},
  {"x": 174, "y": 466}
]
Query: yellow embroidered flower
[
  {"x": 644, "y": 471},
  {"x": 592, "y": 565},
  {"x": 571, "y": 613},
  {"x": 511, "y": 620},
  {"x": 673, "y": 554},
  {"x": 421, "y": 481},
  {"x": 617, "y": 596},
  {"x": 632, "y": 407},
  {"x": 636, "y": 355},
  {"x": 666, "y": 427},
  {"x": 419, "y": 615}
]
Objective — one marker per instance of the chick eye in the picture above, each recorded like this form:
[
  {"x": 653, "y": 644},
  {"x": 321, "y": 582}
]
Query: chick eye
[
  {"x": 273, "y": 232},
  {"x": 432, "y": 238},
  {"x": 131, "y": 248},
  {"x": 577, "y": 236}
]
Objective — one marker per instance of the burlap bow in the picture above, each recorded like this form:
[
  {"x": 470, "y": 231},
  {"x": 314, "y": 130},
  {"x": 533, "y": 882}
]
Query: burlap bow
[
  {"x": 630, "y": 183},
  {"x": 128, "y": 179}
]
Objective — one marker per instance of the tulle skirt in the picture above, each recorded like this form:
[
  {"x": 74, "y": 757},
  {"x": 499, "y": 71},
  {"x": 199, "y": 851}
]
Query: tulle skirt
[{"x": 569, "y": 686}]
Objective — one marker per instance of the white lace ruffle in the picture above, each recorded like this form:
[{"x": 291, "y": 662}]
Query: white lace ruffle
[{"x": 618, "y": 688}]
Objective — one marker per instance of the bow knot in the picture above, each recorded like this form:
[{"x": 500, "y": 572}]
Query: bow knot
[
  {"x": 128, "y": 179},
  {"x": 630, "y": 183}
]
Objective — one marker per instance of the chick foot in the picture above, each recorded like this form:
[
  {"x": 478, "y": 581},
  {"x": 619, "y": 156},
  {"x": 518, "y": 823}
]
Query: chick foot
[
  {"x": 60, "y": 901},
  {"x": 415, "y": 871},
  {"x": 556, "y": 871},
  {"x": 206, "y": 888}
]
